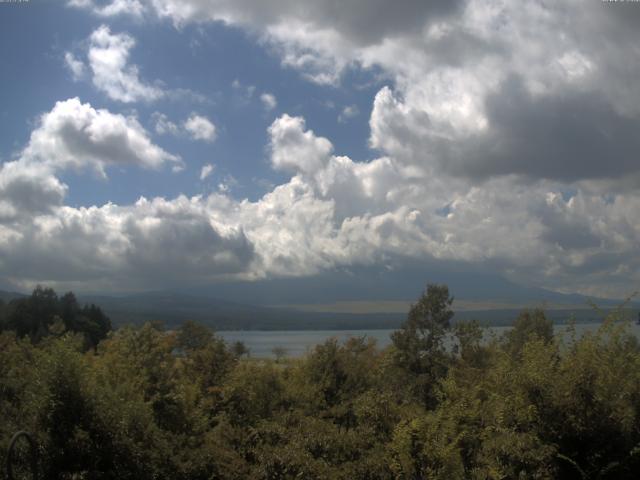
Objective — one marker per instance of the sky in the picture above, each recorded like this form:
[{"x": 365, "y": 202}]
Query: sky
[{"x": 163, "y": 144}]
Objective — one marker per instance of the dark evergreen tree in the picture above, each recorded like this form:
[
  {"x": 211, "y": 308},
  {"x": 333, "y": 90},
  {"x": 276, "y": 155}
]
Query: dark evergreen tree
[
  {"x": 32, "y": 316},
  {"x": 419, "y": 347}
]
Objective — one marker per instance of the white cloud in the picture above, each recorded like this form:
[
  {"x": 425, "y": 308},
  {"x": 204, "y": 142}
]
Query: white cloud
[
  {"x": 347, "y": 113},
  {"x": 297, "y": 150},
  {"x": 74, "y": 65},
  {"x": 269, "y": 101},
  {"x": 195, "y": 127},
  {"x": 115, "y": 7},
  {"x": 494, "y": 111},
  {"x": 332, "y": 212},
  {"x": 150, "y": 242},
  {"x": 206, "y": 171},
  {"x": 314, "y": 36},
  {"x": 112, "y": 72},
  {"x": 109, "y": 61},
  {"x": 75, "y": 135},
  {"x": 200, "y": 128},
  {"x": 164, "y": 126},
  {"x": 448, "y": 54}
]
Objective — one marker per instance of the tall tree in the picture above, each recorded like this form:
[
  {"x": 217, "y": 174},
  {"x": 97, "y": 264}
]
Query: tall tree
[
  {"x": 32, "y": 316},
  {"x": 529, "y": 324},
  {"x": 419, "y": 344}
]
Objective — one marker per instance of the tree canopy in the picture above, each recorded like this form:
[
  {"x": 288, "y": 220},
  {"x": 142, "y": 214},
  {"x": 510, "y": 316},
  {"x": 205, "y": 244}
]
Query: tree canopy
[
  {"x": 442, "y": 402},
  {"x": 43, "y": 313}
]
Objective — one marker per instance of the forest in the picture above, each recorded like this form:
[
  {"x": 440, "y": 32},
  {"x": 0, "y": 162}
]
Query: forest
[{"x": 445, "y": 401}]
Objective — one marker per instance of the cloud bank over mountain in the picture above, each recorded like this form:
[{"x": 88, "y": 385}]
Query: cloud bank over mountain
[{"x": 505, "y": 138}]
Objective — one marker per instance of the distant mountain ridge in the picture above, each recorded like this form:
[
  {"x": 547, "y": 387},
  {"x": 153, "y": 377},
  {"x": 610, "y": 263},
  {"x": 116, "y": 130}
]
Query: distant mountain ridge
[
  {"x": 173, "y": 308},
  {"x": 362, "y": 284},
  {"x": 254, "y": 306},
  {"x": 6, "y": 296}
]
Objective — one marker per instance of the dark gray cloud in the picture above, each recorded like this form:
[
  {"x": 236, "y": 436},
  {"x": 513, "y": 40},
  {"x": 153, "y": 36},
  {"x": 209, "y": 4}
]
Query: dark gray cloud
[
  {"x": 363, "y": 21},
  {"x": 569, "y": 232},
  {"x": 367, "y": 22},
  {"x": 123, "y": 248},
  {"x": 26, "y": 192},
  {"x": 182, "y": 246},
  {"x": 567, "y": 136}
]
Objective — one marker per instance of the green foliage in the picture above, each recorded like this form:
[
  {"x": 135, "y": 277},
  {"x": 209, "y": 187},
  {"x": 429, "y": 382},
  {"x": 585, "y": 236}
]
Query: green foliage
[
  {"x": 239, "y": 349},
  {"x": 193, "y": 336},
  {"x": 440, "y": 403},
  {"x": 419, "y": 344},
  {"x": 44, "y": 313},
  {"x": 530, "y": 324},
  {"x": 279, "y": 352}
]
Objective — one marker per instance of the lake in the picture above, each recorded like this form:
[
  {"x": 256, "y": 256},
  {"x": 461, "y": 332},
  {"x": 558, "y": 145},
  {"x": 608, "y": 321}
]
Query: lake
[{"x": 297, "y": 343}]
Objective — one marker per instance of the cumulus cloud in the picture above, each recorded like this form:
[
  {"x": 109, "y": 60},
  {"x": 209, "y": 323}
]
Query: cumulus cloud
[
  {"x": 268, "y": 101},
  {"x": 27, "y": 190},
  {"x": 314, "y": 36},
  {"x": 505, "y": 138},
  {"x": 76, "y": 135},
  {"x": 179, "y": 237},
  {"x": 567, "y": 136},
  {"x": 195, "y": 127},
  {"x": 150, "y": 242},
  {"x": 459, "y": 69},
  {"x": 112, "y": 73},
  {"x": 73, "y": 135},
  {"x": 363, "y": 22},
  {"x": 108, "y": 62},
  {"x": 112, "y": 8},
  {"x": 295, "y": 149},
  {"x": 200, "y": 128},
  {"x": 206, "y": 171},
  {"x": 75, "y": 66},
  {"x": 332, "y": 212}
]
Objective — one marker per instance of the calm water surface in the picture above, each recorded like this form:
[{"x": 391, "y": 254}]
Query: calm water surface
[{"x": 296, "y": 343}]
